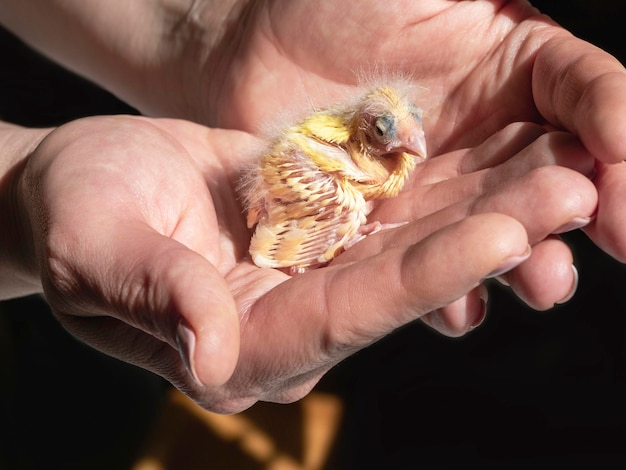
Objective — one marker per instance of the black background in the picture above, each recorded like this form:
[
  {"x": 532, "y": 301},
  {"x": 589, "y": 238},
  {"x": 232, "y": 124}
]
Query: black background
[{"x": 526, "y": 387}]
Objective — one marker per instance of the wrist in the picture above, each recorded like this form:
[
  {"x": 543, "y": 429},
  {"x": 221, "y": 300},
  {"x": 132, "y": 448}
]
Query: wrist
[{"x": 18, "y": 265}]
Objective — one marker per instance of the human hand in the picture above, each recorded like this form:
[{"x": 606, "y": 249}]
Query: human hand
[
  {"x": 266, "y": 373},
  {"x": 140, "y": 242}
]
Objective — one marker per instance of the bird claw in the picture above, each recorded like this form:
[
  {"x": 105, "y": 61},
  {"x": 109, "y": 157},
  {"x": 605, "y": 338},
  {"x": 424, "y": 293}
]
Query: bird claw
[
  {"x": 371, "y": 229},
  {"x": 364, "y": 231}
]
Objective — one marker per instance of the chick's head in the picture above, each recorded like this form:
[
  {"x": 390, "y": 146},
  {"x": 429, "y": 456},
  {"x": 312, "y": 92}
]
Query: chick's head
[{"x": 390, "y": 123}]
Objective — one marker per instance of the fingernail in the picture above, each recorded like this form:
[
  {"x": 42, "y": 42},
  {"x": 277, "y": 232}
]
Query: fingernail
[
  {"x": 186, "y": 341},
  {"x": 510, "y": 263},
  {"x": 502, "y": 281},
  {"x": 575, "y": 223},
  {"x": 574, "y": 287},
  {"x": 484, "y": 297}
]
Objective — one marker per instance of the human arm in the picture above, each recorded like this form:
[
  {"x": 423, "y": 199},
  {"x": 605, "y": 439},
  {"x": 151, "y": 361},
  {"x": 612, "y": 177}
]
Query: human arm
[
  {"x": 148, "y": 53},
  {"x": 17, "y": 272}
]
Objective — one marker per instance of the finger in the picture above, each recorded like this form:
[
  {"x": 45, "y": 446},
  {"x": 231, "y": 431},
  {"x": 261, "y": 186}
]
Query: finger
[
  {"x": 461, "y": 316},
  {"x": 551, "y": 149},
  {"x": 545, "y": 200},
  {"x": 557, "y": 205},
  {"x": 547, "y": 278},
  {"x": 500, "y": 147},
  {"x": 608, "y": 230},
  {"x": 494, "y": 151},
  {"x": 581, "y": 88}
]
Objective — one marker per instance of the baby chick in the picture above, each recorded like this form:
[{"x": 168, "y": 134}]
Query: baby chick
[{"x": 310, "y": 193}]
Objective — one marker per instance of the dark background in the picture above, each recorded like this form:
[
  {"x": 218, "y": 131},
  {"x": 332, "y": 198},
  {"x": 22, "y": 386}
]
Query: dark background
[{"x": 526, "y": 387}]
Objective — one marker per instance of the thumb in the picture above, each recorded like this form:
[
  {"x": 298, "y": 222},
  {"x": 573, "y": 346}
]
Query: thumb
[
  {"x": 149, "y": 300},
  {"x": 207, "y": 333}
]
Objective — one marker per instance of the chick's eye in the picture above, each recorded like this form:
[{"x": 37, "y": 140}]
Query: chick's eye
[{"x": 383, "y": 126}]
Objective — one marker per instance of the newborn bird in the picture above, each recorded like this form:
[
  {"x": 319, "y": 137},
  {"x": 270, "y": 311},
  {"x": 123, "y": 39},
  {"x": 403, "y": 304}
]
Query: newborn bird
[{"x": 310, "y": 193}]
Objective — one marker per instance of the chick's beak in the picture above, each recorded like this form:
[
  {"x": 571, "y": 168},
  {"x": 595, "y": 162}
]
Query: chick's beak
[{"x": 410, "y": 138}]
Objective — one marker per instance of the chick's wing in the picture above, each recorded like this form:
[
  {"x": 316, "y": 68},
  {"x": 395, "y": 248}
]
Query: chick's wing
[{"x": 308, "y": 213}]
